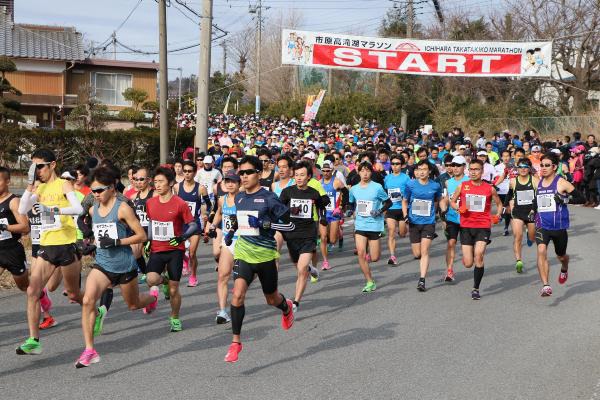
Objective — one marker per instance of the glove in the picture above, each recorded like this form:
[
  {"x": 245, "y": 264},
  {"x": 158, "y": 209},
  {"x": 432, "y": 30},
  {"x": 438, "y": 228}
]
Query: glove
[
  {"x": 336, "y": 212},
  {"x": 3, "y": 227},
  {"x": 376, "y": 213},
  {"x": 229, "y": 238},
  {"x": 396, "y": 195},
  {"x": 560, "y": 199},
  {"x": 495, "y": 219},
  {"x": 176, "y": 241},
  {"x": 463, "y": 209},
  {"x": 31, "y": 173},
  {"x": 87, "y": 248},
  {"x": 147, "y": 249},
  {"x": 212, "y": 233},
  {"x": 443, "y": 215},
  {"x": 349, "y": 213},
  {"x": 295, "y": 210},
  {"x": 107, "y": 242},
  {"x": 42, "y": 209},
  {"x": 323, "y": 221},
  {"x": 255, "y": 222}
]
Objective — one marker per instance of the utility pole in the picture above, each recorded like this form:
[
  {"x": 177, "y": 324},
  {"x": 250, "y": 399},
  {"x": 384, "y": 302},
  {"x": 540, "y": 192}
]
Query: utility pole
[
  {"x": 330, "y": 82},
  {"x": 377, "y": 79},
  {"x": 114, "y": 43},
  {"x": 163, "y": 78},
  {"x": 410, "y": 21},
  {"x": 257, "y": 9},
  {"x": 204, "y": 75},
  {"x": 224, "y": 46}
]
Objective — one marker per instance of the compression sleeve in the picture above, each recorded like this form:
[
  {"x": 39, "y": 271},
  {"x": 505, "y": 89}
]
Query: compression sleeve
[
  {"x": 208, "y": 203},
  {"x": 386, "y": 205},
  {"x": 27, "y": 201},
  {"x": 192, "y": 228},
  {"x": 75, "y": 208}
]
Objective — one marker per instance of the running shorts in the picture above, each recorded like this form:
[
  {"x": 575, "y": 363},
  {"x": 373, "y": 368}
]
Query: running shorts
[
  {"x": 172, "y": 261},
  {"x": 301, "y": 246},
  {"x": 560, "y": 239},
  {"x": 397, "y": 215},
  {"x": 469, "y": 236},
  {"x": 266, "y": 271},
  {"x": 452, "y": 230},
  {"x": 116, "y": 278},
  {"x": 59, "y": 255},
  {"x": 417, "y": 232},
  {"x": 13, "y": 259},
  {"x": 369, "y": 235}
]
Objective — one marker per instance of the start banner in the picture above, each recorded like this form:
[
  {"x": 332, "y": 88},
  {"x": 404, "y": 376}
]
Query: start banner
[{"x": 418, "y": 57}]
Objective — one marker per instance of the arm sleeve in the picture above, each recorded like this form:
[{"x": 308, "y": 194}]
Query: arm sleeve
[
  {"x": 192, "y": 228},
  {"x": 27, "y": 201},
  {"x": 75, "y": 208},
  {"x": 386, "y": 205},
  {"x": 209, "y": 204}
]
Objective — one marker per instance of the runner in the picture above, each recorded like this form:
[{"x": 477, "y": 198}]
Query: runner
[
  {"x": 193, "y": 194},
  {"x": 285, "y": 172},
  {"x": 476, "y": 220},
  {"x": 395, "y": 185},
  {"x": 552, "y": 219},
  {"x": 140, "y": 198},
  {"x": 115, "y": 264},
  {"x": 333, "y": 188},
  {"x": 257, "y": 211},
  {"x": 267, "y": 176},
  {"x": 371, "y": 202},
  {"x": 521, "y": 202},
  {"x": 304, "y": 203},
  {"x": 167, "y": 214},
  {"x": 503, "y": 187},
  {"x": 57, "y": 204},
  {"x": 418, "y": 205}
]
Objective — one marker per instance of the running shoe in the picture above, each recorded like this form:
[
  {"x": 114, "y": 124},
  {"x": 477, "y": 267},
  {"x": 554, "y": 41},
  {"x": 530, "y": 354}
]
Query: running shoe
[
  {"x": 330, "y": 247},
  {"x": 234, "y": 350},
  {"x": 152, "y": 306},
  {"x": 86, "y": 358},
  {"x": 563, "y": 276},
  {"x": 192, "y": 281},
  {"x": 475, "y": 295},
  {"x": 45, "y": 302},
  {"x": 314, "y": 274},
  {"x": 142, "y": 279},
  {"x": 421, "y": 286},
  {"x": 295, "y": 307},
  {"x": 449, "y": 276},
  {"x": 222, "y": 317},
  {"x": 325, "y": 266},
  {"x": 175, "y": 324},
  {"x": 31, "y": 346},
  {"x": 393, "y": 261},
  {"x": 369, "y": 287},
  {"x": 529, "y": 242},
  {"x": 519, "y": 266},
  {"x": 288, "y": 320},
  {"x": 546, "y": 291},
  {"x": 47, "y": 323},
  {"x": 368, "y": 257},
  {"x": 99, "y": 323},
  {"x": 506, "y": 232}
]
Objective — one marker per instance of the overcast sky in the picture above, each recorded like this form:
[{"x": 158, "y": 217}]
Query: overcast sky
[{"x": 97, "y": 20}]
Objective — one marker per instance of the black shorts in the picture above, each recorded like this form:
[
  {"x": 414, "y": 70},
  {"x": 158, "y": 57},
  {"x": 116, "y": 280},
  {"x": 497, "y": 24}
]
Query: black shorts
[
  {"x": 60, "y": 255},
  {"x": 560, "y": 239},
  {"x": 13, "y": 259},
  {"x": 522, "y": 214},
  {"x": 34, "y": 250},
  {"x": 117, "y": 278},
  {"x": 417, "y": 232},
  {"x": 369, "y": 235},
  {"x": 266, "y": 271},
  {"x": 172, "y": 261},
  {"x": 452, "y": 230},
  {"x": 301, "y": 246},
  {"x": 397, "y": 215},
  {"x": 469, "y": 236}
]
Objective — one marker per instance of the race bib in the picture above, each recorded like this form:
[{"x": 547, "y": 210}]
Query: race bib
[
  {"x": 546, "y": 203},
  {"x": 143, "y": 217},
  {"x": 244, "y": 228},
  {"x": 227, "y": 223},
  {"x": 331, "y": 205},
  {"x": 105, "y": 229},
  {"x": 50, "y": 221},
  {"x": 35, "y": 234},
  {"x": 395, "y": 199},
  {"x": 525, "y": 197},
  {"x": 475, "y": 202},
  {"x": 364, "y": 208},
  {"x": 192, "y": 207},
  {"x": 4, "y": 235},
  {"x": 162, "y": 231},
  {"x": 421, "y": 208},
  {"x": 305, "y": 208}
]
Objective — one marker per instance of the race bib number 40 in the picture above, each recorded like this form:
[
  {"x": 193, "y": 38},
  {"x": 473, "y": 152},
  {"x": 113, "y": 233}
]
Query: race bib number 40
[
  {"x": 162, "y": 231},
  {"x": 244, "y": 228},
  {"x": 364, "y": 208},
  {"x": 546, "y": 203},
  {"x": 475, "y": 202},
  {"x": 105, "y": 229},
  {"x": 305, "y": 207}
]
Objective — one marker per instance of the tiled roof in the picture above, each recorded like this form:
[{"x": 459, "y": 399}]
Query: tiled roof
[{"x": 39, "y": 42}]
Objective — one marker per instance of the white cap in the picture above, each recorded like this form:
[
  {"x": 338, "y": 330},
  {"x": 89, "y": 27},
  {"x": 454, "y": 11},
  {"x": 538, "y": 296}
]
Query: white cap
[
  {"x": 309, "y": 155},
  {"x": 482, "y": 153},
  {"x": 327, "y": 164},
  {"x": 67, "y": 175},
  {"x": 467, "y": 139},
  {"x": 536, "y": 148},
  {"x": 208, "y": 160},
  {"x": 556, "y": 151},
  {"x": 459, "y": 160},
  {"x": 462, "y": 147}
]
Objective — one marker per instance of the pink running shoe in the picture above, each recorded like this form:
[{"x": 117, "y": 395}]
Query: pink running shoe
[
  {"x": 192, "y": 281},
  {"x": 546, "y": 291},
  {"x": 152, "y": 306},
  {"x": 86, "y": 358},
  {"x": 288, "y": 320},
  {"x": 325, "y": 266},
  {"x": 562, "y": 277},
  {"x": 45, "y": 302},
  {"x": 393, "y": 261},
  {"x": 368, "y": 257},
  {"x": 234, "y": 350}
]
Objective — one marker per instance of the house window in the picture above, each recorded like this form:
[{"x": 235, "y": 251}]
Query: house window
[{"x": 109, "y": 88}]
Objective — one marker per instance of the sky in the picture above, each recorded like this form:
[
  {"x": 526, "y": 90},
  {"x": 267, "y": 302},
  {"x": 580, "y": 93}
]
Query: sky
[{"x": 98, "y": 19}]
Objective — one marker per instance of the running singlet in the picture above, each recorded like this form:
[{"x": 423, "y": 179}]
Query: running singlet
[
  {"x": 331, "y": 193},
  {"x": 192, "y": 199},
  {"x": 118, "y": 260},
  {"x": 266, "y": 182},
  {"x": 277, "y": 189},
  {"x": 139, "y": 205},
  {"x": 306, "y": 202},
  {"x": 478, "y": 200},
  {"x": 227, "y": 213},
  {"x": 256, "y": 245},
  {"x": 56, "y": 229},
  {"x": 421, "y": 201},
  {"x": 367, "y": 199},
  {"x": 551, "y": 215},
  {"x": 396, "y": 184},
  {"x": 8, "y": 239},
  {"x": 167, "y": 221},
  {"x": 452, "y": 215},
  {"x": 524, "y": 195}
]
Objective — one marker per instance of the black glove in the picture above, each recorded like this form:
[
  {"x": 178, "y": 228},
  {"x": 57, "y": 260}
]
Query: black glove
[
  {"x": 108, "y": 242},
  {"x": 88, "y": 234},
  {"x": 531, "y": 216},
  {"x": 212, "y": 233},
  {"x": 560, "y": 199},
  {"x": 211, "y": 217},
  {"x": 87, "y": 248},
  {"x": 3, "y": 227},
  {"x": 176, "y": 241}
]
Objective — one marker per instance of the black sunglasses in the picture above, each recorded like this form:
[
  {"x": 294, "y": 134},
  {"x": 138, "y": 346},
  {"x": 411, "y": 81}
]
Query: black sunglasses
[
  {"x": 139, "y": 179},
  {"x": 99, "y": 189},
  {"x": 188, "y": 171},
  {"x": 247, "y": 171},
  {"x": 41, "y": 165},
  {"x": 396, "y": 163}
]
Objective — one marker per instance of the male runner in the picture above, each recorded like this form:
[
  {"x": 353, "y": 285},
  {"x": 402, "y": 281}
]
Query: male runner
[
  {"x": 475, "y": 220},
  {"x": 333, "y": 188},
  {"x": 57, "y": 203},
  {"x": 143, "y": 192},
  {"x": 395, "y": 185}
]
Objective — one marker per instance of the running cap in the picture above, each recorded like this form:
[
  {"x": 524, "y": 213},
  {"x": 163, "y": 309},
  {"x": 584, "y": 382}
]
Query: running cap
[
  {"x": 326, "y": 164},
  {"x": 208, "y": 160},
  {"x": 310, "y": 155},
  {"x": 536, "y": 148},
  {"x": 556, "y": 151},
  {"x": 231, "y": 176},
  {"x": 482, "y": 153},
  {"x": 460, "y": 160},
  {"x": 67, "y": 175}
]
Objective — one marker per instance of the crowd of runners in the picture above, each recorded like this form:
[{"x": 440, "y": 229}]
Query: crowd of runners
[{"x": 265, "y": 183}]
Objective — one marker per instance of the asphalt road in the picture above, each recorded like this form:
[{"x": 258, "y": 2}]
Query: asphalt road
[{"x": 394, "y": 343}]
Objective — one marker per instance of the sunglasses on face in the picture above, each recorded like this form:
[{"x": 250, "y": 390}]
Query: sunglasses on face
[
  {"x": 139, "y": 179},
  {"x": 523, "y": 166},
  {"x": 448, "y": 165},
  {"x": 188, "y": 171},
  {"x": 99, "y": 189},
  {"x": 247, "y": 171},
  {"x": 264, "y": 160},
  {"x": 41, "y": 165},
  {"x": 546, "y": 165},
  {"x": 396, "y": 163}
]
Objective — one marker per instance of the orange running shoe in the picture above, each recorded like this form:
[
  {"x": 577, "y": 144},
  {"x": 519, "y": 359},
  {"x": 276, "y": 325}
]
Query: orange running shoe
[
  {"x": 288, "y": 320},
  {"x": 47, "y": 323},
  {"x": 234, "y": 350}
]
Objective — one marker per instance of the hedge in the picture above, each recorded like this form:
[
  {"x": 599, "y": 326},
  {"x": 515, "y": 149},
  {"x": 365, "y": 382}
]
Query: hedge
[{"x": 72, "y": 147}]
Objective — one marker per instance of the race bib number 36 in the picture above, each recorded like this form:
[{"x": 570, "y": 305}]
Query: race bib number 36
[{"x": 162, "y": 231}]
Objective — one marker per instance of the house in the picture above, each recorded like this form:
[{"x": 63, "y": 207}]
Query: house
[{"x": 52, "y": 67}]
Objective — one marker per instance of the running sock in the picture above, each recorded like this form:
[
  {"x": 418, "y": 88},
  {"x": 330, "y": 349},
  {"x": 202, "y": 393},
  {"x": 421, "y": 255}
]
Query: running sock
[
  {"x": 237, "y": 318},
  {"x": 477, "y": 276},
  {"x": 141, "y": 263},
  {"x": 107, "y": 298},
  {"x": 283, "y": 306}
]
